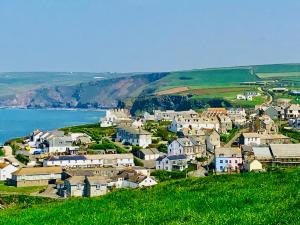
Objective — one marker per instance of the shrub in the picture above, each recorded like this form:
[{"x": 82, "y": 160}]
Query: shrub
[
  {"x": 162, "y": 148},
  {"x": 138, "y": 162},
  {"x": 22, "y": 158}
]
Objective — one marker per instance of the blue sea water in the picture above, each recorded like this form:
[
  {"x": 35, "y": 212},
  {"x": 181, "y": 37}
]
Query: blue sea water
[{"x": 20, "y": 122}]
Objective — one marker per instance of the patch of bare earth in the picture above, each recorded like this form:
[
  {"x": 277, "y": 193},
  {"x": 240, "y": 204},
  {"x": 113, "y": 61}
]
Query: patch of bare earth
[{"x": 173, "y": 91}]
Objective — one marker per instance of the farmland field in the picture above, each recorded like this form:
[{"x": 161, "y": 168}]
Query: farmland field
[
  {"x": 286, "y": 75},
  {"x": 226, "y": 77},
  {"x": 251, "y": 198}
]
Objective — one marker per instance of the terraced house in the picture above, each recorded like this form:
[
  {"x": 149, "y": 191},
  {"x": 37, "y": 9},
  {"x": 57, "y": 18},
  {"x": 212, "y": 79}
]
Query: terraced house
[{"x": 134, "y": 136}]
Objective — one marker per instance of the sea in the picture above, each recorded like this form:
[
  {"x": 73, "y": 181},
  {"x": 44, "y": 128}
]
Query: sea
[{"x": 21, "y": 122}]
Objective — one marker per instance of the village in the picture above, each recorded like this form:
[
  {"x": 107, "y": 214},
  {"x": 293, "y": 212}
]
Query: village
[{"x": 136, "y": 149}]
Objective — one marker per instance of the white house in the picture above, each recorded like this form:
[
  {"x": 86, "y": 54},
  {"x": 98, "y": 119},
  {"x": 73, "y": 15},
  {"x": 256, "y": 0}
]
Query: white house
[
  {"x": 194, "y": 123},
  {"x": 105, "y": 160},
  {"x": 114, "y": 117},
  {"x": 6, "y": 170},
  {"x": 146, "y": 154},
  {"x": 134, "y": 136},
  {"x": 293, "y": 111},
  {"x": 172, "y": 162},
  {"x": 253, "y": 165},
  {"x": 250, "y": 139}
]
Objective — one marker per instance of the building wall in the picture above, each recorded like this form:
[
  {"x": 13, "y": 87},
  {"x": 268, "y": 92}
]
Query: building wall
[
  {"x": 6, "y": 172},
  {"x": 222, "y": 164}
]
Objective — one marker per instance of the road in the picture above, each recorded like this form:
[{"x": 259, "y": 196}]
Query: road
[
  {"x": 9, "y": 156},
  {"x": 228, "y": 144}
]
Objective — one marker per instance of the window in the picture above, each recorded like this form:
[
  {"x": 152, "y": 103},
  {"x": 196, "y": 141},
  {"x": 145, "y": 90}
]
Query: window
[
  {"x": 97, "y": 187},
  {"x": 236, "y": 161},
  {"x": 221, "y": 167},
  {"x": 229, "y": 161},
  {"x": 226, "y": 161},
  {"x": 221, "y": 161}
]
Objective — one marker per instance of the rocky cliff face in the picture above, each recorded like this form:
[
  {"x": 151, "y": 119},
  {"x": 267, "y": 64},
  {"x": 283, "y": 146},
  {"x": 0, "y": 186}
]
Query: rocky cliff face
[{"x": 96, "y": 94}]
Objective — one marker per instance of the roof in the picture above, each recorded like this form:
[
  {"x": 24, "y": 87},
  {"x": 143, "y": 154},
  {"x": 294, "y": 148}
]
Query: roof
[
  {"x": 160, "y": 158},
  {"x": 76, "y": 180},
  {"x": 251, "y": 135},
  {"x": 67, "y": 157},
  {"x": 149, "y": 151},
  {"x": 133, "y": 130},
  {"x": 110, "y": 156},
  {"x": 94, "y": 180},
  {"x": 262, "y": 152},
  {"x": 285, "y": 150},
  {"x": 38, "y": 170},
  {"x": 228, "y": 152},
  {"x": 185, "y": 142},
  {"x": 3, "y": 165},
  {"x": 176, "y": 157}
]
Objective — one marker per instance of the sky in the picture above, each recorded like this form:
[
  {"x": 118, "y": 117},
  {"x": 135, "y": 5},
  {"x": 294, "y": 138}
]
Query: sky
[{"x": 146, "y": 35}]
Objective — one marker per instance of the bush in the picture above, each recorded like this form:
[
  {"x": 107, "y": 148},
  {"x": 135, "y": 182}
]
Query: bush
[
  {"x": 2, "y": 153},
  {"x": 163, "y": 148},
  {"x": 163, "y": 175},
  {"x": 22, "y": 158},
  {"x": 138, "y": 162}
]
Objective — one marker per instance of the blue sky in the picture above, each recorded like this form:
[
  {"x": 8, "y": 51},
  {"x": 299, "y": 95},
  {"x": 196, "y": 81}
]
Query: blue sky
[{"x": 146, "y": 35}]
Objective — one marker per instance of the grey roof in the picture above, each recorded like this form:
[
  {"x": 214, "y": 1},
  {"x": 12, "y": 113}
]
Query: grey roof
[
  {"x": 149, "y": 151},
  {"x": 285, "y": 150},
  {"x": 228, "y": 152},
  {"x": 262, "y": 152},
  {"x": 185, "y": 142},
  {"x": 68, "y": 157},
  {"x": 176, "y": 157},
  {"x": 160, "y": 158}
]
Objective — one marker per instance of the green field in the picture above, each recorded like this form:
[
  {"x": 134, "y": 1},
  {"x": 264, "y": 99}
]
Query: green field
[
  {"x": 206, "y": 78},
  {"x": 286, "y": 75},
  {"x": 4, "y": 189},
  {"x": 266, "y": 198}
]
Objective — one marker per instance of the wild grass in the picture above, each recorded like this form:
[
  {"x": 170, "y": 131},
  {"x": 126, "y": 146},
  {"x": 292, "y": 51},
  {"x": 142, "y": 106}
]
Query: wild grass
[
  {"x": 4, "y": 189},
  {"x": 265, "y": 198}
]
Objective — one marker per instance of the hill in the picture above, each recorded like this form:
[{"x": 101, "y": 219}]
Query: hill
[
  {"x": 267, "y": 198},
  {"x": 101, "y": 90}
]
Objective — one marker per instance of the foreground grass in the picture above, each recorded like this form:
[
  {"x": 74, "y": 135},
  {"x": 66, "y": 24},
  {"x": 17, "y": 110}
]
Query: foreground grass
[
  {"x": 270, "y": 198},
  {"x": 4, "y": 189}
]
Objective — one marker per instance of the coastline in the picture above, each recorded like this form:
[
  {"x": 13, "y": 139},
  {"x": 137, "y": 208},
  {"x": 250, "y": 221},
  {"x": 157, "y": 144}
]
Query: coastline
[{"x": 58, "y": 109}]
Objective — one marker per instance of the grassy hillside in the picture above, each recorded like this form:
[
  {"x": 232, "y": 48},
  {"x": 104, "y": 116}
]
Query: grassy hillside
[
  {"x": 269, "y": 198},
  {"x": 17, "y": 82},
  {"x": 206, "y": 78}
]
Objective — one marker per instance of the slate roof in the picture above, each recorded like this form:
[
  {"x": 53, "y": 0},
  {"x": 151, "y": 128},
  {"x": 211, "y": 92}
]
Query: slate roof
[
  {"x": 176, "y": 157},
  {"x": 285, "y": 150},
  {"x": 68, "y": 157}
]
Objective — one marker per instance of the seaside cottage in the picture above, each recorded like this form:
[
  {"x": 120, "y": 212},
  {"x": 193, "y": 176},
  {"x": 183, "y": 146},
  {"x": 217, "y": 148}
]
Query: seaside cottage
[
  {"x": 36, "y": 176},
  {"x": 228, "y": 159},
  {"x": 6, "y": 171}
]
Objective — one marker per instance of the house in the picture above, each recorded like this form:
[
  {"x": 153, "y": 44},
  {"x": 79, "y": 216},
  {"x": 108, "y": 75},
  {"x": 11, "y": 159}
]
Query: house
[
  {"x": 97, "y": 186},
  {"x": 293, "y": 111},
  {"x": 102, "y": 160},
  {"x": 225, "y": 123},
  {"x": 36, "y": 176},
  {"x": 240, "y": 97},
  {"x": 74, "y": 187},
  {"x": 146, "y": 154},
  {"x": 250, "y": 139},
  {"x": 263, "y": 154},
  {"x": 169, "y": 115},
  {"x": 115, "y": 116},
  {"x": 253, "y": 165},
  {"x": 256, "y": 139},
  {"x": 132, "y": 179},
  {"x": 286, "y": 154},
  {"x": 190, "y": 147},
  {"x": 134, "y": 136},
  {"x": 264, "y": 125},
  {"x": 172, "y": 162},
  {"x": 295, "y": 123},
  {"x": 80, "y": 138},
  {"x": 233, "y": 112},
  {"x": 194, "y": 123},
  {"x": 6, "y": 170},
  {"x": 212, "y": 112},
  {"x": 227, "y": 159}
]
